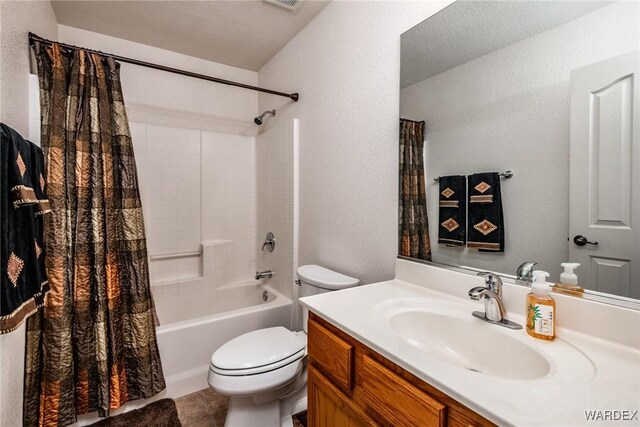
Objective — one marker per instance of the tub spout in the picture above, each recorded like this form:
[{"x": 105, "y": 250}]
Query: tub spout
[{"x": 267, "y": 274}]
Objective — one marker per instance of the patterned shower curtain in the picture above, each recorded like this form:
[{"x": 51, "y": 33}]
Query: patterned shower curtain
[
  {"x": 93, "y": 346},
  {"x": 413, "y": 227}
]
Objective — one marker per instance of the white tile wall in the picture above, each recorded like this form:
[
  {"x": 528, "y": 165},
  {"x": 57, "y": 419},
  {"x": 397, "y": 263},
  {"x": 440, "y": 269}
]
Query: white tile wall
[
  {"x": 229, "y": 208},
  {"x": 197, "y": 188},
  {"x": 168, "y": 161},
  {"x": 277, "y": 195}
]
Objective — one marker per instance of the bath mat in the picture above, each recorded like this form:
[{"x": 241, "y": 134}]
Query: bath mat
[{"x": 162, "y": 413}]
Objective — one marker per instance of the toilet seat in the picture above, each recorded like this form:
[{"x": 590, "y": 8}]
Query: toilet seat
[
  {"x": 259, "y": 369},
  {"x": 259, "y": 352},
  {"x": 250, "y": 385},
  {"x": 258, "y": 361}
]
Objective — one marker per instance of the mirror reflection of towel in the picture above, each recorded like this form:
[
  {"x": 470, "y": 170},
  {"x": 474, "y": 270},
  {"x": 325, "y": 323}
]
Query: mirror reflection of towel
[
  {"x": 452, "y": 209},
  {"x": 485, "y": 218}
]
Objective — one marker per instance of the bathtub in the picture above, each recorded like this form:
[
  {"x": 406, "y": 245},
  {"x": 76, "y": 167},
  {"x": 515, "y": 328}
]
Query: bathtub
[{"x": 195, "y": 320}]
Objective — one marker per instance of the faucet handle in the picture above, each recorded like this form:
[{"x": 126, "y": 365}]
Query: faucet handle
[{"x": 492, "y": 280}]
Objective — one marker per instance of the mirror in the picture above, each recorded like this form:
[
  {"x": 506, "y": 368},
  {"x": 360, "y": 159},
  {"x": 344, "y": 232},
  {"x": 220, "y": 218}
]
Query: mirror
[{"x": 548, "y": 91}]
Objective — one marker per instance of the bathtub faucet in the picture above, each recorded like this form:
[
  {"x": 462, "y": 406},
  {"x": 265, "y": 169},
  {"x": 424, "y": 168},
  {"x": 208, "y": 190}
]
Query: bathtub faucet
[{"x": 264, "y": 274}]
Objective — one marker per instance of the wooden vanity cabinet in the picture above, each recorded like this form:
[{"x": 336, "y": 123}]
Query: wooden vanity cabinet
[{"x": 351, "y": 385}]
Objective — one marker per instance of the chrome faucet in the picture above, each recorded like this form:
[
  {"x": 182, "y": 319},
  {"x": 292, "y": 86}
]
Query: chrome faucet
[
  {"x": 494, "y": 310},
  {"x": 524, "y": 273},
  {"x": 267, "y": 274}
]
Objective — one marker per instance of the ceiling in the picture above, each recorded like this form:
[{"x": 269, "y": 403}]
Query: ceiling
[
  {"x": 467, "y": 30},
  {"x": 243, "y": 34}
]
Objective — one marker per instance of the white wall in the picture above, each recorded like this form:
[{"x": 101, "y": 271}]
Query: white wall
[
  {"x": 177, "y": 93},
  {"x": 16, "y": 20},
  {"x": 345, "y": 65},
  {"x": 510, "y": 110}
]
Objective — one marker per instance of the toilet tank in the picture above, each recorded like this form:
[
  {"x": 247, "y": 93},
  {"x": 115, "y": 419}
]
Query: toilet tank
[{"x": 315, "y": 280}]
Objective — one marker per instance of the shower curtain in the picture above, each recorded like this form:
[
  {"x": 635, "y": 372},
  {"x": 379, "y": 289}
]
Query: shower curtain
[
  {"x": 413, "y": 226},
  {"x": 93, "y": 345}
]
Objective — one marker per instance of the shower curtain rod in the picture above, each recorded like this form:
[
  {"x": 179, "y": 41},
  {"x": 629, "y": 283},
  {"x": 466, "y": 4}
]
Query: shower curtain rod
[{"x": 33, "y": 38}]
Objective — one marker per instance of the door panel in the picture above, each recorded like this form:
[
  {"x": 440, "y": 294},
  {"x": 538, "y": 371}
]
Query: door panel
[
  {"x": 611, "y": 120},
  {"x": 612, "y": 275},
  {"x": 605, "y": 174}
]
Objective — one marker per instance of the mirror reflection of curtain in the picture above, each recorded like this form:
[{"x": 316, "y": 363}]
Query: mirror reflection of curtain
[
  {"x": 413, "y": 226},
  {"x": 93, "y": 346}
]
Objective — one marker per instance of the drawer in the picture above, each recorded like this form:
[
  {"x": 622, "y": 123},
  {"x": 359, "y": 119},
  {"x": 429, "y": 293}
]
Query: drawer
[
  {"x": 331, "y": 354},
  {"x": 395, "y": 399}
]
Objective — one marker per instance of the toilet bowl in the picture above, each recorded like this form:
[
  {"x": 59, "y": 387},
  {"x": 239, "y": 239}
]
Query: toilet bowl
[{"x": 264, "y": 371}]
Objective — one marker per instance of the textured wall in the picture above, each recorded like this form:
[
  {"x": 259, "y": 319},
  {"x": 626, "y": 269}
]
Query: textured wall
[
  {"x": 345, "y": 64},
  {"x": 517, "y": 118},
  {"x": 16, "y": 20}
]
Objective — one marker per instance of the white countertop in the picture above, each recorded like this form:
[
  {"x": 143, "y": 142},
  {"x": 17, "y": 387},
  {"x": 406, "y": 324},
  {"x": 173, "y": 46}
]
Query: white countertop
[{"x": 557, "y": 399}]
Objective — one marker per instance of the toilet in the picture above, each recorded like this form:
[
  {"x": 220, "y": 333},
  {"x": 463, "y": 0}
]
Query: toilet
[{"x": 264, "y": 371}]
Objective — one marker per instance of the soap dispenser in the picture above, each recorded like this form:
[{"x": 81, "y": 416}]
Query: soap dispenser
[
  {"x": 541, "y": 308},
  {"x": 568, "y": 283}
]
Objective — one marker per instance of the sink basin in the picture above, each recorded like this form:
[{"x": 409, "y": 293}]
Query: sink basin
[
  {"x": 446, "y": 331},
  {"x": 469, "y": 344}
]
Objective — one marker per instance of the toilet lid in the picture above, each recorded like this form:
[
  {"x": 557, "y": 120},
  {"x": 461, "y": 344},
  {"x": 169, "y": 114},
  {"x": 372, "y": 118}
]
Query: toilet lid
[
  {"x": 259, "y": 351},
  {"x": 325, "y": 278}
]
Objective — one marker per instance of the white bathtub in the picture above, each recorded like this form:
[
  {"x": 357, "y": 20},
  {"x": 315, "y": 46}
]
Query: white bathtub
[{"x": 197, "y": 319}]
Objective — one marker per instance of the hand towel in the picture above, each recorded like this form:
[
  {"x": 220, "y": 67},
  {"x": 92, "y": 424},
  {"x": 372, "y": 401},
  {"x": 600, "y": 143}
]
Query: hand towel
[
  {"x": 452, "y": 209},
  {"x": 23, "y": 280},
  {"x": 485, "y": 218}
]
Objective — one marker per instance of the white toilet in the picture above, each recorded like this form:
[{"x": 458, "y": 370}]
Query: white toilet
[{"x": 264, "y": 371}]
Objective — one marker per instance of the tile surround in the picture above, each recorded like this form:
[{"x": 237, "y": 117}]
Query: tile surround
[
  {"x": 277, "y": 203},
  {"x": 197, "y": 188}
]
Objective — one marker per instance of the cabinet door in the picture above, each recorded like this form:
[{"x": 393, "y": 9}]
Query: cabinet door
[
  {"x": 395, "y": 399},
  {"x": 329, "y": 407}
]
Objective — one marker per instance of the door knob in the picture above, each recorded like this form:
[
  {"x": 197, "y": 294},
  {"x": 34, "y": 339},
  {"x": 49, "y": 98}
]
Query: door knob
[{"x": 582, "y": 241}]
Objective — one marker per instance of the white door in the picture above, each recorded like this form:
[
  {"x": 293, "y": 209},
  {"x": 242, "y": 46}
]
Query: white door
[{"x": 605, "y": 175}]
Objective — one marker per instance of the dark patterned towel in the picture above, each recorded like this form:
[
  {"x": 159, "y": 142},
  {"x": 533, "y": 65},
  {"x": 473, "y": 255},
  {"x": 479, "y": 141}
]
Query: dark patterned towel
[
  {"x": 23, "y": 201},
  {"x": 486, "y": 221},
  {"x": 453, "y": 206}
]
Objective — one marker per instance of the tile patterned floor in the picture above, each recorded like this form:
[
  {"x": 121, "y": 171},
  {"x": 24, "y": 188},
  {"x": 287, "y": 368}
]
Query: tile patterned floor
[{"x": 206, "y": 408}]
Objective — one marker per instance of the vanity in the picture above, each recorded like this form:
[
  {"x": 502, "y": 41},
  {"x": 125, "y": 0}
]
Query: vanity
[
  {"x": 350, "y": 384},
  {"x": 409, "y": 352}
]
